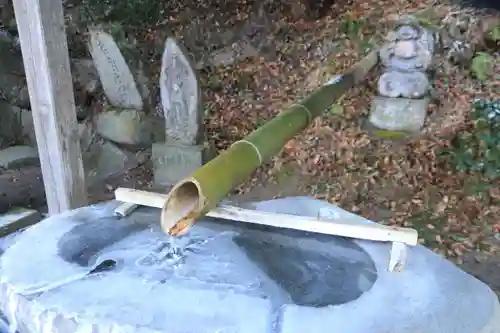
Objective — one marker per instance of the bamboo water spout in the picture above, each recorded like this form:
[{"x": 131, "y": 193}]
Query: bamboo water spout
[{"x": 194, "y": 196}]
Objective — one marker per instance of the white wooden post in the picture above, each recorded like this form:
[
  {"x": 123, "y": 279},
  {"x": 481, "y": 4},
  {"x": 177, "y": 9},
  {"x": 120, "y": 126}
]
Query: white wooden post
[{"x": 45, "y": 54}]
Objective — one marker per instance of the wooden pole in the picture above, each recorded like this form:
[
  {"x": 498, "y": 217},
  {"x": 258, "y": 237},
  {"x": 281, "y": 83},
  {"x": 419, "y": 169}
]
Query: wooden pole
[
  {"x": 45, "y": 54},
  {"x": 350, "y": 227}
]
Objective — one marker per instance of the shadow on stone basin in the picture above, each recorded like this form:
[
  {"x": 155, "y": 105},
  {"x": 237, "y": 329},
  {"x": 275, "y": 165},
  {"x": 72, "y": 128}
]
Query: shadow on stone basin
[
  {"x": 84, "y": 241},
  {"x": 312, "y": 277}
]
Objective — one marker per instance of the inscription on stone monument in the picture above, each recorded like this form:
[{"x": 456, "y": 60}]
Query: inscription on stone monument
[
  {"x": 115, "y": 75},
  {"x": 172, "y": 163}
]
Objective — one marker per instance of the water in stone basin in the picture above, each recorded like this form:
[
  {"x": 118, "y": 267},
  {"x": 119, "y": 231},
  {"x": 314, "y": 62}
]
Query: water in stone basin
[
  {"x": 228, "y": 258},
  {"x": 284, "y": 265}
]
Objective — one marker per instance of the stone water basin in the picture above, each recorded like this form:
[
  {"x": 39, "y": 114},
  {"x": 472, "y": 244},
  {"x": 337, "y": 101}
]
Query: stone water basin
[{"x": 88, "y": 271}]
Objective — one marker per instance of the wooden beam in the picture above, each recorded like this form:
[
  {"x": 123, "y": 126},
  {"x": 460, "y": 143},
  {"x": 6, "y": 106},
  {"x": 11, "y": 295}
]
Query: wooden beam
[
  {"x": 44, "y": 47},
  {"x": 351, "y": 227}
]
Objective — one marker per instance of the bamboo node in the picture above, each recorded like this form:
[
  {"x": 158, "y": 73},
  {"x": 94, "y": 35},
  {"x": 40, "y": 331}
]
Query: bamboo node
[
  {"x": 254, "y": 147},
  {"x": 309, "y": 114}
]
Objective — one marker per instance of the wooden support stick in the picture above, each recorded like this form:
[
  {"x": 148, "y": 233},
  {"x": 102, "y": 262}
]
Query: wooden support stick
[
  {"x": 142, "y": 198},
  {"x": 346, "y": 228},
  {"x": 397, "y": 259},
  {"x": 125, "y": 209},
  {"x": 40, "y": 24}
]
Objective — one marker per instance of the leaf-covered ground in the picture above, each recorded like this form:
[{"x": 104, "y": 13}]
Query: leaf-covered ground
[
  {"x": 403, "y": 182},
  {"x": 395, "y": 181}
]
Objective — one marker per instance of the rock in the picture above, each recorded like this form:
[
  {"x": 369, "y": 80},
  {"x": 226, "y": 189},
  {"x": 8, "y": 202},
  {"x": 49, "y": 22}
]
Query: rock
[
  {"x": 144, "y": 84},
  {"x": 114, "y": 72},
  {"x": 445, "y": 40},
  {"x": 158, "y": 128},
  {"x": 13, "y": 86},
  {"x": 85, "y": 75},
  {"x": 461, "y": 53},
  {"x": 17, "y": 219},
  {"x": 11, "y": 131},
  {"x": 21, "y": 187},
  {"x": 6, "y": 12},
  {"x": 86, "y": 134},
  {"x": 18, "y": 156},
  {"x": 143, "y": 156},
  {"x": 398, "y": 114},
  {"x": 181, "y": 97},
  {"x": 27, "y": 126},
  {"x": 106, "y": 160},
  {"x": 226, "y": 56},
  {"x": 82, "y": 111},
  {"x": 124, "y": 126},
  {"x": 408, "y": 85},
  {"x": 172, "y": 163}
]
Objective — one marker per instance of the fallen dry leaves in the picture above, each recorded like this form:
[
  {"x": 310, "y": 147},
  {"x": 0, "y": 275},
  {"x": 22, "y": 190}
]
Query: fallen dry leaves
[
  {"x": 336, "y": 159},
  {"x": 398, "y": 182}
]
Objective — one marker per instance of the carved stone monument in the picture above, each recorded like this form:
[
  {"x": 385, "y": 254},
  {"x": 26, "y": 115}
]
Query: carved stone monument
[
  {"x": 403, "y": 88},
  {"x": 124, "y": 120},
  {"x": 183, "y": 151},
  {"x": 116, "y": 77}
]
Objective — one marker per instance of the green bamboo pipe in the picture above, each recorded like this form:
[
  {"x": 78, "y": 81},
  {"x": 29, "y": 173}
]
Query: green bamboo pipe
[{"x": 194, "y": 196}]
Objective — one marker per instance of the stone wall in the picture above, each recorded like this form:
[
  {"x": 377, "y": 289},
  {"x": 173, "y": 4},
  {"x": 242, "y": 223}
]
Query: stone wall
[{"x": 112, "y": 138}]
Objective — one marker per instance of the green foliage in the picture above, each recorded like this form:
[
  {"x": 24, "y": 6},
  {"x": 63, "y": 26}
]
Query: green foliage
[
  {"x": 478, "y": 187},
  {"x": 478, "y": 150},
  {"x": 284, "y": 174},
  {"x": 482, "y": 65},
  {"x": 494, "y": 33},
  {"x": 428, "y": 18},
  {"x": 131, "y": 13},
  {"x": 392, "y": 135},
  {"x": 351, "y": 27},
  {"x": 336, "y": 110}
]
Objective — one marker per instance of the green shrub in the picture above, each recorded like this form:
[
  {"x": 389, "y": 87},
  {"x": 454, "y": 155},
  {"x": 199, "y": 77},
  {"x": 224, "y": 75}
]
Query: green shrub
[
  {"x": 482, "y": 66},
  {"x": 138, "y": 14},
  {"x": 478, "y": 150}
]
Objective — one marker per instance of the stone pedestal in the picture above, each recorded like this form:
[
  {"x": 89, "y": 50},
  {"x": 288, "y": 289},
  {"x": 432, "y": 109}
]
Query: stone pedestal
[
  {"x": 172, "y": 162},
  {"x": 398, "y": 114},
  {"x": 106, "y": 160}
]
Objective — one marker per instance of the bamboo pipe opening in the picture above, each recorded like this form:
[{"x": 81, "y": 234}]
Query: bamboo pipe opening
[{"x": 182, "y": 207}]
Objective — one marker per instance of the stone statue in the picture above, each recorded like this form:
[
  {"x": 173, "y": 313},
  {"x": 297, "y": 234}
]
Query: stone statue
[
  {"x": 404, "y": 86},
  {"x": 180, "y": 96},
  {"x": 183, "y": 151}
]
